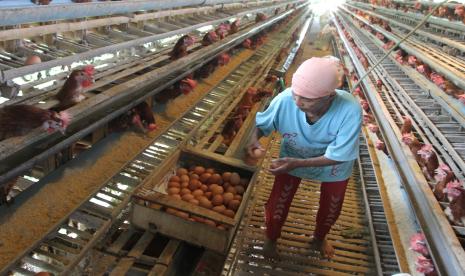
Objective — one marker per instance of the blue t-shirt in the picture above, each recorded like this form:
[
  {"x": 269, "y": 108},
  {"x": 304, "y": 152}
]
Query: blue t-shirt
[{"x": 335, "y": 135}]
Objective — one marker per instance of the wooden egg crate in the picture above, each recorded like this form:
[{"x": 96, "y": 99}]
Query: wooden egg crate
[
  {"x": 157, "y": 209},
  {"x": 212, "y": 138}
]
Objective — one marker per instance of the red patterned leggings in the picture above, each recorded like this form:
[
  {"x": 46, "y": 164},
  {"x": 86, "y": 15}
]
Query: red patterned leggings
[{"x": 284, "y": 188}]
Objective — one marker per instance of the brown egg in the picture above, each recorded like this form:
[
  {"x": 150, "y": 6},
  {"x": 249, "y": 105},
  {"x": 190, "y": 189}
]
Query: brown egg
[
  {"x": 185, "y": 191},
  {"x": 197, "y": 193},
  {"x": 204, "y": 187},
  {"x": 199, "y": 170},
  {"x": 194, "y": 201},
  {"x": 204, "y": 177},
  {"x": 176, "y": 196},
  {"x": 174, "y": 190},
  {"x": 235, "y": 179},
  {"x": 194, "y": 176},
  {"x": 210, "y": 222},
  {"x": 239, "y": 189},
  {"x": 258, "y": 153},
  {"x": 215, "y": 178},
  {"x": 185, "y": 184},
  {"x": 181, "y": 171},
  {"x": 231, "y": 189},
  {"x": 234, "y": 204},
  {"x": 208, "y": 195},
  {"x": 221, "y": 227},
  {"x": 238, "y": 197},
  {"x": 171, "y": 211},
  {"x": 184, "y": 178},
  {"x": 226, "y": 185},
  {"x": 226, "y": 176},
  {"x": 198, "y": 219},
  {"x": 187, "y": 197},
  {"x": 229, "y": 213},
  {"x": 194, "y": 184},
  {"x": 217, "y": 190},
  {"x": 210, "y": 170},
  {"x": 175, "y": 178},
  {"x": 220, "y": 208},
  {"x": 183, "y": 215},
  {"x": 205, "y": 203},
  {"x": 174, "y": 185},
  {"x": 227, "y": 197},
  {"x": 217, "y": 200}
]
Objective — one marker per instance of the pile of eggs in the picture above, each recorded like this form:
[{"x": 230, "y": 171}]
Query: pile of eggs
[{"x": 209, "y": 189}]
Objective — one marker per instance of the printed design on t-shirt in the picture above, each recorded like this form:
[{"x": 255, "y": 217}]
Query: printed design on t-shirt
[{"x": 335, "y": 169}]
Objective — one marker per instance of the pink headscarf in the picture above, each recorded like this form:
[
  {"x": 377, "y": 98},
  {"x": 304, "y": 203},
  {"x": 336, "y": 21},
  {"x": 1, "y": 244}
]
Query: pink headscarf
[{"x": 315, "y": 78}]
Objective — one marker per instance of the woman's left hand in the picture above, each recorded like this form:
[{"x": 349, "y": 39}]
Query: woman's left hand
[{"x": 282, "y": 165}]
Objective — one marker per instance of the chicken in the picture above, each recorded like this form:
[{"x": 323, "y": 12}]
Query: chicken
[
  {"x": 418, "y": 244},
  {"x": 260, "y": 17},
  {"x": 417, "y": 5},
  {"x": 401, "y": 56},
  {"x": 18, "y": 120},
  {"x": 365, "y": 105},
  {"x": 248, "y": 98},
  {"x": 424, "y": 69},
  {"x": 209, "y": 38},
  {"x": 247, "y": 44},
  {"x": 180, "y": 48},
  {"x": 388, "y": 45},
  {"x": 368, "y": 118},
  {"x": 460, "y": 11},
  {"x": 407, "y": 125},
  {"x": 425, "y": 266},
  {"x": 146, "y": 118},
  {"x": 261, "y": 93},
  {"x": 222, "y": 30},
  {"x": 443, "y": 11},
  {"x": 414, "y": 145},
  {"x": 457, "y": 207},
  {"x": 453, "y": 189},
  {"x": 71, "y": 92},
  {"x": 461, "y": 98},
  {"x": 379, "y": 84},
  {"x": 380, "y": 36},
  {"x": 206, "y": 70},
  {"x": 373, "y": 128},
  {"x": 380, "y": 145},
  {"x": 437, "y": 79},
  {"x": 167, "y": 94},
  {"x": 429, "y": 159},
  {"x": 234, "y": 28},
  {"x": 187, "y": 85},
  {"x": 5, "y": 191},
  {"x": 412, "y": 61},
  {"x": 450, "y": 89},
  {"x": 443, "y": 176},
  {"x": 223, "y": 59}
]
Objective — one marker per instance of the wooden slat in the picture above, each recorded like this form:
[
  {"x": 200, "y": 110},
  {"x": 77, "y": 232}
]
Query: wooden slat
[{"x": 165, "y": 259}]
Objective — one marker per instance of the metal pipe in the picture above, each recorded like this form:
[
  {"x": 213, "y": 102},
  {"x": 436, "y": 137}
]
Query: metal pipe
[
  {"x": 17, "y": 72},
  {"x": 21, "y": 15},
  {"x": 457, "y": 80},
  {"x": 446, "y": 251}
]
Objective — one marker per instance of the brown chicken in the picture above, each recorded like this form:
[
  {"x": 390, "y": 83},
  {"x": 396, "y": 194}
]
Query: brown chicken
[
  {"x": 406, "y": 126},
  {"x": 222, "y": 30},
  {"x": 18, "y": 120},
  {"x": 411, "y": 141},
  {"x": 180, "y": 48},
  {"x": 71, "y": 91},
  {"x": 234, "y": 27},
  {"x": 210, "y": 38},
  {"x": 429, "y": 160},
  {"x": 260, "y": 17},
  {"x": 146, "y": 117},
  {"x": 443, "y": 176},
  {"x": 41, "y": 2}
]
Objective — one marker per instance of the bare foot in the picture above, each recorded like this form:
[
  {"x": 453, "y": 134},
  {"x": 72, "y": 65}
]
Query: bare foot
[
  {"x": 270, "y": 250},
  {"x": 325, "y": 248}
]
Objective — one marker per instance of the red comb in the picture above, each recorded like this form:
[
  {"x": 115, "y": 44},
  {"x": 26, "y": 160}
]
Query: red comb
[{"x": 89, "y": 69}]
